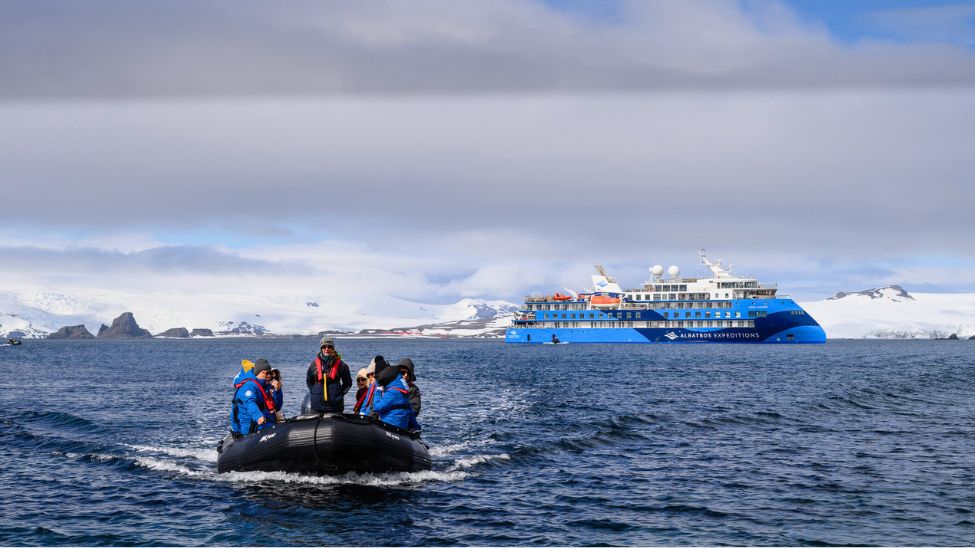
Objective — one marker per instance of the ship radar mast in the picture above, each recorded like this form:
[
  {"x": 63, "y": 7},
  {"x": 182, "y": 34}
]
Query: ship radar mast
[{"x": 715, "y": 268}]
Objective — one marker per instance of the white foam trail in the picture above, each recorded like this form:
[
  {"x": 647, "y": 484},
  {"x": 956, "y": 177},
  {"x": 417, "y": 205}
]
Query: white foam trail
[
  {"x": 451, "y": 448},
  {"x": 457, "y": 471},
  {"x": 468, "y": 462},
  {"x": 208, "y": 455},
  {"x": 372, "y": 480},
  {"x": 167, "y": 466},
  {"x": 93, "y": 456}
]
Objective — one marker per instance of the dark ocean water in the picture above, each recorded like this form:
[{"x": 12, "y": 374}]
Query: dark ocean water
[{"x": 854, "y": 442}]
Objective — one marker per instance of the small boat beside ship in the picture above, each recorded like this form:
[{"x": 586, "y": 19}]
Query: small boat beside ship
[{"x": 722, "y": 308}]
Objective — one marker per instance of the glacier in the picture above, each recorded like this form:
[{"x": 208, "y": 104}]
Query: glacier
[{"x": 890, "y": 312}]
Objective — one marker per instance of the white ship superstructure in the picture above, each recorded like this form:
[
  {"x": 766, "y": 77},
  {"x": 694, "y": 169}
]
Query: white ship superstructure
[{"x": 720, "y": 308}]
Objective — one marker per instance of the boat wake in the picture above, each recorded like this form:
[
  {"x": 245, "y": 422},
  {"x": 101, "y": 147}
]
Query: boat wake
[{"x": 197, "y": 463}]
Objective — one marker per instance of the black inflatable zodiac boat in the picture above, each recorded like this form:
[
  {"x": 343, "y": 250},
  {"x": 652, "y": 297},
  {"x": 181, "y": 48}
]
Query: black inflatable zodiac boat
[{"x": 325, "y": 444}]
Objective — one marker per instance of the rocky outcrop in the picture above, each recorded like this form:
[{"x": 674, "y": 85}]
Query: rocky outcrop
[
  {"x": 242, "y": 328},
  {"x": 198, "y": 332},
  {"x": 953, "y": 337},
  {"x": 894, "y": 292},
  {"x": 176, "y": 333},
  {"x": 123, "y": 327},
  {"x": 72, "y": 332}
]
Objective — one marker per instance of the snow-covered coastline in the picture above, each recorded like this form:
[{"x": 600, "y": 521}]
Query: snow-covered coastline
[
  {"x": 889, "y": 312},
  {"x": 36, "y": 314}
]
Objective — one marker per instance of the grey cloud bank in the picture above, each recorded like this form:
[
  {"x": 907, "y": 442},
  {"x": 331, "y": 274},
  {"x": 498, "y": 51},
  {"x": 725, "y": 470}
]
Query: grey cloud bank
[
  {"x": 491, "y": 147},
  {"x": 843, "y": 173},
  {"x": 69, "y": 50},
  {"x": 164, "y": 259}
]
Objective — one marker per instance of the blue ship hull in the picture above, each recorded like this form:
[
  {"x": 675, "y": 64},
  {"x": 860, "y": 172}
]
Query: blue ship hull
[{"x": 785, "y": 323}]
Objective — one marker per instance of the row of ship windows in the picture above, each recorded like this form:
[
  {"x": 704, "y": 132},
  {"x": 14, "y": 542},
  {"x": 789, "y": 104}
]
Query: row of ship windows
[
  {"x": 672, "y": 323},
  {"x": 646, "y": 306},
  {"x": 671, "y": 296},
  {"x": 668, "y": 288},
  {"x": 636, "y": 315}
]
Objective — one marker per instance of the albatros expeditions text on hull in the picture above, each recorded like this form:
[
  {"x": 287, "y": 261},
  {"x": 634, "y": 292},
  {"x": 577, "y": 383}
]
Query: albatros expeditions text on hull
[{"x": 723, "y": 308}]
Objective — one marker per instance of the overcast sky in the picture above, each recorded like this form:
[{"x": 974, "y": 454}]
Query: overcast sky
[{"x": 486, "y": 149}]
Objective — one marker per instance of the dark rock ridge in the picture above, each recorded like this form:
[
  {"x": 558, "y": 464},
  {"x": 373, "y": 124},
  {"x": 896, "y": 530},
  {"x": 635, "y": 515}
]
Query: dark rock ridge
[
  {"x": 337, "y": 332},
  {"x": 875, "y": 293},
  {"x": 176, "y": 332},
  {"x": 199, "y": 332},
  {"x": 72, "y": 332},
  {"x": 123, "y": 327}
]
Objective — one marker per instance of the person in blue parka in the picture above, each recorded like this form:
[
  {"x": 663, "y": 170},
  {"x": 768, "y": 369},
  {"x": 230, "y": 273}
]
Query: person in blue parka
[
  {"x": 394, "y": 406},
  {"x": 253, "y": 407}
]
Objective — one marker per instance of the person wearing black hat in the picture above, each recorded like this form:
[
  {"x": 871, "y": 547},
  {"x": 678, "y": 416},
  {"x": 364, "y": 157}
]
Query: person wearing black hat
[
  {"x": 252, "y": 406},
  {"x": 393, "y": 406},
  {"x": 275, "y": 387},
  {"x": 406, "y": 365},
  {"x": 328, "y": 379}
]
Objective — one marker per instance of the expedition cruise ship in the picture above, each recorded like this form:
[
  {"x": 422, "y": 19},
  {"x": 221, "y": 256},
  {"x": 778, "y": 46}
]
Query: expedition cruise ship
[{"x": 720, "y": 309}]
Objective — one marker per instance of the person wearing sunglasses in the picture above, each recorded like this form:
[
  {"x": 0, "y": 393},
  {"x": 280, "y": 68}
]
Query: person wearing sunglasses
[
  {"x": 362, "y": 380},
  {"x": 276, "y": 389},
  {"x": 328, "y": 379}
]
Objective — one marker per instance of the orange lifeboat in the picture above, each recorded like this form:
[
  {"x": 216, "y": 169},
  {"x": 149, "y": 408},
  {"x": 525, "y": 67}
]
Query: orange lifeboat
[
  {"x": 604, "y": 300},
  {"x": 561, "y": 297}
]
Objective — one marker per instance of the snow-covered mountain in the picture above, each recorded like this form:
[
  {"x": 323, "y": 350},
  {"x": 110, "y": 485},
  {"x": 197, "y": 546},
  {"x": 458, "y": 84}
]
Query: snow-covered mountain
[
  {"x": 891, "y": 312},
  {"x": 34, "y": 314},
  {"x": 485, "y": 319},
  {"x": 13, "y": 325}
]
